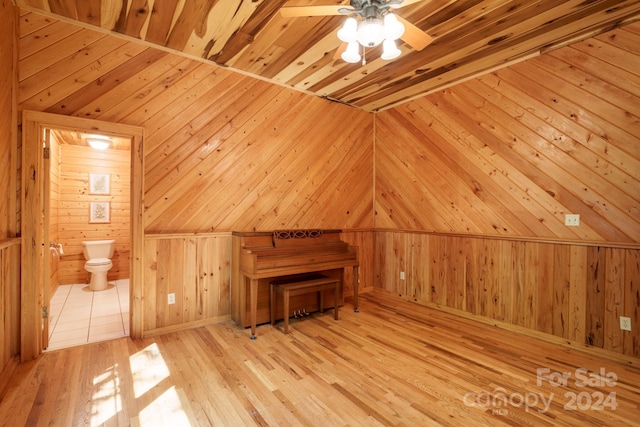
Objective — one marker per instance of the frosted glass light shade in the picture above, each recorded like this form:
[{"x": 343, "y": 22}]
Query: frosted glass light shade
[
  {"x": 98, "y": 144},
  {"x": 389, "y": 50},
  {"x": 352, "y": 53},
  {"x": 393, "y": 29},
  {"x": 349, "y": 31},
  {"x": 371, "y": 32}
]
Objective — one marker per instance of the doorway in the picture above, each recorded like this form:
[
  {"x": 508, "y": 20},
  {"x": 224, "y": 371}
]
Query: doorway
[
  {"x": 35, "y": 291},
  {"x": 87, "y": 171}
]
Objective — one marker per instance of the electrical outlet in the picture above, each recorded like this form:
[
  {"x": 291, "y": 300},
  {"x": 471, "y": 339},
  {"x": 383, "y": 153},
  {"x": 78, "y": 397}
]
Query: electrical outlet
[
  {"x": 171, "y": 298},
  {"x": 572, "y": 220},
  {"x": 402, "y": 275},
  {"x": 625, "y": 323}
]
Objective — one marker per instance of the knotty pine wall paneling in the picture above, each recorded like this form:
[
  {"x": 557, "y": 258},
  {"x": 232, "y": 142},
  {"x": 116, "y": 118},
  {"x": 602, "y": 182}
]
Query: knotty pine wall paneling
[
  {"x": 364, "y": 241},
  {"x": 571, "y": 291},
  {"x": 196, "y": 268},
  {"x": 10, "y": 305},
  {"x": 9, "y": 244},
  {"x": 76, "y": 163},
  {"x": 8, "y": 121},
  {"x": 510, "y": 153}
]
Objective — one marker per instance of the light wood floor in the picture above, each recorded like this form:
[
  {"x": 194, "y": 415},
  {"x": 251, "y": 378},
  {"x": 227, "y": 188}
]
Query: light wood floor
[{"x": 394, "y": 363}]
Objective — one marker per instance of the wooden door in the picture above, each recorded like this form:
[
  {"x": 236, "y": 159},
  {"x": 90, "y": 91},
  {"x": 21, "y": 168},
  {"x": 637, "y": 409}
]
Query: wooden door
[
  {"x": 35, "y": 232},
  {"x": 32, "y": 253}
]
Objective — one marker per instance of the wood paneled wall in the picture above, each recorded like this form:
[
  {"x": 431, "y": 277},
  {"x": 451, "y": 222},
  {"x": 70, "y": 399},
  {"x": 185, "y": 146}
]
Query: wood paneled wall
[
  {"x": 9, "y": 302},
  {"x": 365, "y": 242},
  {"x": 512, "y": 152},
  {"x": 9, "y": 307},
  {"x": 9, "y": 244},
  {"x": 223, "y": 151},
  {"x": 571, "y": 291},
  {"x": 76, "y": 163},
  {"x": 8, "y": 120},
  {"x": 197, "y": 270}
]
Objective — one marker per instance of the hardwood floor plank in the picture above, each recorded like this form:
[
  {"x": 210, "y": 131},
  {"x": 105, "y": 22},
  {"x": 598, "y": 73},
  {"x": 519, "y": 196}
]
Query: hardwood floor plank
[{"x": 395, "y": 363}]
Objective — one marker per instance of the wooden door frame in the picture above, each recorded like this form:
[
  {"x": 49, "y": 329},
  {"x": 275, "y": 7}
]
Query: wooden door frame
[
  {"x": 46, "y": 264},
  {"x": 32, "y": 257}
]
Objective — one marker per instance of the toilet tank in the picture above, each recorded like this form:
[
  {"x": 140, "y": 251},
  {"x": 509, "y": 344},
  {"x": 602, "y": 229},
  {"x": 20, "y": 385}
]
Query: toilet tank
[{"x": 93, "y": 249}]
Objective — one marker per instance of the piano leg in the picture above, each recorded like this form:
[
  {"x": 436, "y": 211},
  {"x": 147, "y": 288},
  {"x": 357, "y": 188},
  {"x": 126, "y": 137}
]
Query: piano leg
[{"x": 253, "y": 301}]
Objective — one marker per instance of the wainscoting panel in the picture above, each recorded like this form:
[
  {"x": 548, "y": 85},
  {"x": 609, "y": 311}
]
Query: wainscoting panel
[
  {"x": 9, "y": 306},
  {"x": 573, "y": 291},
  {"x": 196, "y": 269}
]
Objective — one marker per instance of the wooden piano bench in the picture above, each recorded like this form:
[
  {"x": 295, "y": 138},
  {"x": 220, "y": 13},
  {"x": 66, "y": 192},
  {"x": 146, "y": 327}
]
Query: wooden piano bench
[{"x": 299, "y": 286}]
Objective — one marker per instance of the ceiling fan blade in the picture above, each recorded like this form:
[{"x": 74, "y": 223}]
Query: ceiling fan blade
[
  {"x": 404, "y": 3},
  {"x": 414, "y": 36},
  {"x": 296, "y": 11}
]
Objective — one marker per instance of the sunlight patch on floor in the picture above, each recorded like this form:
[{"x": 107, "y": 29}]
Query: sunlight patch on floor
[
  {"x": 167, "y": 410},
  {"x": 106, "y": 401},
  {"x": 148, "y": 369}
]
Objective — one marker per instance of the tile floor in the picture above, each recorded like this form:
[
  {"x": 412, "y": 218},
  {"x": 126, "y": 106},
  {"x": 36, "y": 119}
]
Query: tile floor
[{"x": 79, "y": 316}]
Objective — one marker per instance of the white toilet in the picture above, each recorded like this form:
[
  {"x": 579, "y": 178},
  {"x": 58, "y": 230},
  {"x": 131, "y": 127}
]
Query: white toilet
[{"x": 98, "y": 254}]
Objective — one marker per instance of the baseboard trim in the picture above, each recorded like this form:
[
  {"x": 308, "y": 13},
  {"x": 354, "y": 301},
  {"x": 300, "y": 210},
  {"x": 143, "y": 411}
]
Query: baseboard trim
[{"x": 185, "y": 326}]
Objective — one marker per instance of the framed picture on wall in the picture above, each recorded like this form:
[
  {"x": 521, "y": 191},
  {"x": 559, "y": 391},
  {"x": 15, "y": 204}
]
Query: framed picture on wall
[
  {"x": 99, "y": 213},
  {"x": 99, "y": 183}
]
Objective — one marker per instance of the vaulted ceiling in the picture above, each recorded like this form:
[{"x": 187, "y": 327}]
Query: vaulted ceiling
[{"x": 470, "y": 37}]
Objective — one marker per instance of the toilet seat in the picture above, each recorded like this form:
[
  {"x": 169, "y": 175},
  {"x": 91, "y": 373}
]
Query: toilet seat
[{"x": 96, "y": 262}]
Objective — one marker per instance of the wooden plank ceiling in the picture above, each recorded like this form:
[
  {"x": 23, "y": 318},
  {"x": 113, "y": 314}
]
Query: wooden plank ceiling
[{"x": 471, "y": 37}]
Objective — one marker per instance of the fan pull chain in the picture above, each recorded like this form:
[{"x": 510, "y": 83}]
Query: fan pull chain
[{"x": 364, "y": 60}]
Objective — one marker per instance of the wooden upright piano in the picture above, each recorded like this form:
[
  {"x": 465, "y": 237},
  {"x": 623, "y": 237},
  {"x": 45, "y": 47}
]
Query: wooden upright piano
[{"x": 261, "y": 257}]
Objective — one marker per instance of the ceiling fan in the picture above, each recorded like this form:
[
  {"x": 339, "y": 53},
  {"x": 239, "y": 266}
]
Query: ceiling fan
[{"x": 370, "y": 24}]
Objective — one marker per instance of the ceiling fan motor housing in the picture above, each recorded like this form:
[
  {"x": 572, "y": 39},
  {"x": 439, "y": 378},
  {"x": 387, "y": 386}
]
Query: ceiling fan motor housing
[{"x": 370, "y": 8}]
